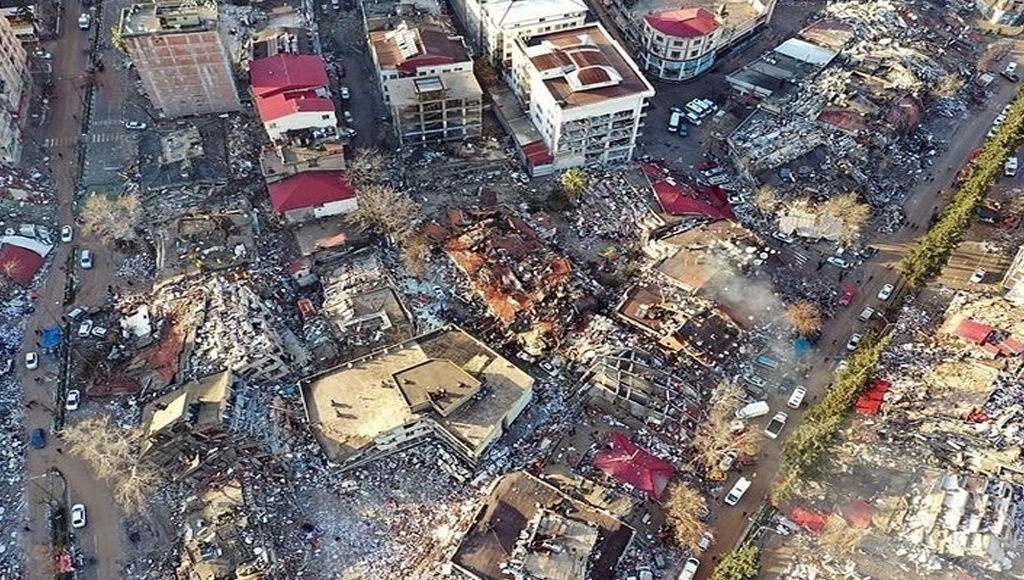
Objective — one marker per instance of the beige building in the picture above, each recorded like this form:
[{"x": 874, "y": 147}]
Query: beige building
[
  {"x": 444, "y": 385},
  {"x": 182, "y": 60},
  {"x": 426, "y": 77},
  {"x": 14, "y": 93}
]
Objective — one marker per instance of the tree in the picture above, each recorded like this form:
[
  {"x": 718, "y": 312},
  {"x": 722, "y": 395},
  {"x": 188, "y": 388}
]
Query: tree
[
  {"x": 366, "y": 168},
  {"x": 386, "y": 211},
  {"x": 852, "y": 214},
  {"x": 805, "y": 318},
  {"x": 414, "y": 254},
  {"x": 684, "y": 507},
  {"x": 715, "y": 437},
  {"x": 948, "y": 86},
  {"x": 573, "y": 182},
  {"x": 766, "y": 199},
  {"x": 112, "y": 219},
  {"x": 113, "y": 454},
  {"x": 741, "y": 564}
]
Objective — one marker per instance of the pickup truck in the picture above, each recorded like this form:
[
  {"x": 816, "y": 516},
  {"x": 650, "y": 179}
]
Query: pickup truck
[{"x": 775, "y": 425}]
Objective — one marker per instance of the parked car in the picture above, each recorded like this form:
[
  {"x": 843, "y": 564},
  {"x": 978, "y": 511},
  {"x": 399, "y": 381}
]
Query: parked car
[
  {"x": 838, "y": 262},
  {"x": 866, "y": 314},
  {"x": 847, "y": 295},
  {"x": 755, "y": 380},
  {"x": 344, "y": 93},
  {"x": 705, "y": 541},
  {"x": 854, "y": 342},
  {"x": 1012, "y": 77},
  {"x": 689, "y": 569},
  {"x": 84, "y": 21},
  {"x": 135, "y": 125},
  {"x": 85, "y": 329},
  {"x": 73, "y": 400},
  {"x": 727, "y": 461},
  {"x": 784, "y": 238},
  {"x": 66, "y": 234},
  {"x": 31, "y": 361},
  {"x": 76, "y": 313},
  {"x": 885, "y": 292},
  {"x": 978, "y": 275},
  {"x": 348, "y": 116},
  {"x": 796, "y": 398},
  {"x": 43, "y": 54},
  {"x": 775, "y": 426},
  {"x": 38, "y": 438},
  {"x": 99, "y": 332},
  {"x": 78, "y": 516},
  {"x": 736, "y": 493},
  {"x": 645, "y": 573},
  {"x": 85, "y": 259}
]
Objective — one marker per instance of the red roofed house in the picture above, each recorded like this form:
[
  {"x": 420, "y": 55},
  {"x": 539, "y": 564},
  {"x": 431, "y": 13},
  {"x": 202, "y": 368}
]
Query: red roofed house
[
  {"x": 21, "y": 258},
  {"x": 312, "y": 195},
  {"x": 628, "y": 463},
  {"x": 291, "y": 92},
  {"x": 679, "y": 44}
]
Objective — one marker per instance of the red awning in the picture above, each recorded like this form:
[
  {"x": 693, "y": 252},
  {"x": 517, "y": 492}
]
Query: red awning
[{"x": 628, "y": 463}]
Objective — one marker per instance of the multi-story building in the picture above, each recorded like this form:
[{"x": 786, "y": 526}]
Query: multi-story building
[
  {"x": 678, "y": 45},
  {"x": 22, "y": 18},
  {"x": 507, "y": 20},
  {"x": 14, "y": 93},
  {"x": 676, "y": 41},
  {"x": 583, "y": 93},
  {"x": 180, "y": 56},
  {"x": 292, "y": 94},
  {"x": 426, "y": 77}
]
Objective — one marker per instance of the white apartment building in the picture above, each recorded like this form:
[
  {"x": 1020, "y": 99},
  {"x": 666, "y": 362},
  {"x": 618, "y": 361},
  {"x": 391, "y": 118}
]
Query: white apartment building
[
  {"x": 583, "y": 93},
  {"x": 507, "y": 20},
  {"x": 14, "y": 93}
]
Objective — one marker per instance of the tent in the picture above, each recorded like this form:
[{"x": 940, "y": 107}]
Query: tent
[{"x": 626, "y": 462}]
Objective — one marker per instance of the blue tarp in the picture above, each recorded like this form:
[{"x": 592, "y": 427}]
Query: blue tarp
[
  {"x": 802, "y": 346},
  {"x": 50, "y": 338}
]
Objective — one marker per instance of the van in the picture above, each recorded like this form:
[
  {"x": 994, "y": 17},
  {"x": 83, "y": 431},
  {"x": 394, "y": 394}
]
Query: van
[
  {"x": 796, "y": 398},
  {"x": 755, "y": 409},
  {"x": 693, "y": 118},
  {"x": 695, "y": 108},
  {"x": 708, "y": 105},
  {"x": 674, "y": 120},
  {"x": 736, "y": 493},
  {"x": 866, "y": 314}
]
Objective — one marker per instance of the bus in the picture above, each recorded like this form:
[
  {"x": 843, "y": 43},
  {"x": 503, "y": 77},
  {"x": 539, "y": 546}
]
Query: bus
[{"x": 673, "y": 121}]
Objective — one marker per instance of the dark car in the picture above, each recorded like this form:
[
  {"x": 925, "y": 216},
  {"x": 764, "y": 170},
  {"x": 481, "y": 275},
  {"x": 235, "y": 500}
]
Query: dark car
[{"x": 38, "y": 438}]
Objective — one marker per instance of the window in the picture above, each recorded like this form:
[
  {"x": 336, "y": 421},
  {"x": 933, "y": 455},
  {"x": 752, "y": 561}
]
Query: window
[
  {"x": 325, "y": 117},
  {"x": 674, "y": 54}
]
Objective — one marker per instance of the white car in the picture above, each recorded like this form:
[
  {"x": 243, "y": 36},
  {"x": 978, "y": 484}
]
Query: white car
[
  {"x": 66, "y": 234},
  {"x": 73, "y": 400},
  {"x": 774, "y": 427},
  {"x": 754, "y": 380},
  {"x": 978, "y": 275},
  {"x": 1010, "y": 68},
  {"x": 727, "y": 461},
  {"x": 689, "y": 569},
  {"x": 135, "y": 125},
  {"x": 85, "y": 259},
  {"x": 885, "y": 292},
  {"x": 85, "y": 329},
  {"x": 78, "y": 516},
  {"x": 31, "y": 361},
  {"x": 40, "y": 53},
  {"x": 84, "y": 21},
  {"x": 838, "y": 262},
  {"x": 705, "y": 541},
  {"x": 796, "y": 398},
  {"x": 344, "y": 93},
  {"x": 854, "y": 342},
  {"x": 347, "y": 115}
]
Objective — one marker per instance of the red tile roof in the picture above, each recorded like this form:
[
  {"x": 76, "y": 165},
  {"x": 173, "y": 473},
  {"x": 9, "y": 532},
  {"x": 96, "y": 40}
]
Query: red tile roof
[
  {"x": 310, "y": 189},
  {"x": 287, "y": 72},
  {"x": 684, "y": 23},
  {"x": 19, "y": 264},
  {"x": 281, "y": 105},
  {"x": 627, "y": 462}
]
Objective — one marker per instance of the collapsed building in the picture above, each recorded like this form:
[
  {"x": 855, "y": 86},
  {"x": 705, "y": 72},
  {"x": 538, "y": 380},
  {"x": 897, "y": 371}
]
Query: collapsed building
[
  {"x": 202, "y": 242},
  {"x": 443, "y": 385},
  {"x": 529, "y": 529},
  {"x": 528, "y": 287}
]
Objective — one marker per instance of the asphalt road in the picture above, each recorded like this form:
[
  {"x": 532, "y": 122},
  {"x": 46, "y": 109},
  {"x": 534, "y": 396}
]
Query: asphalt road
[
  {"x": 102, "y": 536},
  {"x": 731, "y": 522}
]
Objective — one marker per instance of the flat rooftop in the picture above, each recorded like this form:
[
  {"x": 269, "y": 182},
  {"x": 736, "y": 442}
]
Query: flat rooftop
[
  {"x": 584, "y": 66},
  {"x": 515, "y": 503},
  {"x": 452, "y": 85},
  {"x": 169, "y": 16},
  {"x": 350, "y": 405}
]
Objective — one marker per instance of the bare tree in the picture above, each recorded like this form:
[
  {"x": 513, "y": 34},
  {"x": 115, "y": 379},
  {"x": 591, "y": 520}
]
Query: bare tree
[
  {"x": 766, "y": 199},
  {"x": 948, "y": 86},
  {"x": 839, "y": 537},
  {"x": 113, "y": 454},
  {"x": 414, "y": 254},
  {"x": 366, "y": 168},
  {"x": 805, "y": 318},
  {"x": 387, "y": 211},
  {"x": 715, "y": 435},
  {"x": 112, "y": 219},
  {"x": 852, "y": 214},
  {"x": 684, "y": 508}
]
